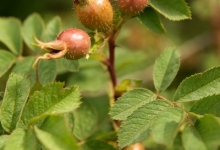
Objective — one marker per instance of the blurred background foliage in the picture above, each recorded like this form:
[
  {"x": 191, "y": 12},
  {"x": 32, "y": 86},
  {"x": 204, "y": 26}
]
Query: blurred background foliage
[{"x": 197, "y": 39}]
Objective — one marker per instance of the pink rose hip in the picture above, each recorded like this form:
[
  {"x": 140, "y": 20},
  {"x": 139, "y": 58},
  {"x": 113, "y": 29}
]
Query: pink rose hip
[
  {"x": 72, "y": 43},
  {"x": 77, "y": 41}
]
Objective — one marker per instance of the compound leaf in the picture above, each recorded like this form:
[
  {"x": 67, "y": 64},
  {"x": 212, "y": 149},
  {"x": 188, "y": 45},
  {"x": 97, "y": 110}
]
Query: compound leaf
[
  {"x": 138, "y": 125},
  {"x": 131, "y": 101}
]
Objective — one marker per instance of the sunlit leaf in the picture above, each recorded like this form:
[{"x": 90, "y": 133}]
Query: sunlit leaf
[
  {"x": 52, "y": 99},
  {"x": 21, "y": 140},
  {"x": 15, "y": 97},
  {"x": 3, "y": 140}
]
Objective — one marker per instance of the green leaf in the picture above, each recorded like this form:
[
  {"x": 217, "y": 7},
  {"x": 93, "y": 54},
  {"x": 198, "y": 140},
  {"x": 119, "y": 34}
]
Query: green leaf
[
  {"x": 33, "y": 26},
  {"x": 209, "y": 130},
  {"x": 15, "y": 97},
  {"x": 165, "y": 69},
  {"x": 86, "y": 77},
  {"x": 85, "y": 120},
  {"x": 166, "y": 126},
  {"x": 173, "y": 10},
  {"x": 30, "y": 141},
  {"x": 52, "y": 29},
  {"x": 52, "y": 99},
  {"x": 47, "y": 71},
  {"x": 3, "y": 140},
  {"x": 138, "y": 125},
  {"x": 2, "y": 131},
  {"x": 131, "y": 101},
  {"x": 199, "y": 86},
  {"x": 207, "y": 105},
  {"x": 71, "y": 65},
  {"x": 192, "y": 140},
  {"x": 151, "y": 20},
  {"x": 55, "y": 134},
  {"x": 177, "y": 143},
  {"x": 10, "y": 34},
  {"x": 7, "y": 59},
  {"x": 97, "y": 145},
  {"x": 24, "y": 66},
  {"x": 21, "y": 140}
]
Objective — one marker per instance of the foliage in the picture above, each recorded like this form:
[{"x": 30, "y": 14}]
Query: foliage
[{"x": 64, "y": 104}]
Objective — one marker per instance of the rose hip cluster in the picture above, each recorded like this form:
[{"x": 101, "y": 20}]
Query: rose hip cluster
[{"x": 97, "y": 15}]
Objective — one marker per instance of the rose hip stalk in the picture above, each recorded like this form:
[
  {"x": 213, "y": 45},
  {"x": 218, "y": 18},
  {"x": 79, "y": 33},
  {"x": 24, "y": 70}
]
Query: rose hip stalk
[
  {"x": 72, "y": 43},
  {"x": 95, "y": 14},
  {"x": 132, "y": 7}
]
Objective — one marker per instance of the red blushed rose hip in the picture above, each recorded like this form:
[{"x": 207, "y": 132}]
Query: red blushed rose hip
[
  {"x": 132, "y": 7},
  {"x": 95, "y": 14},
  {"x": 72, "y": 44},
  {"x": 77, "y": 41}
]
